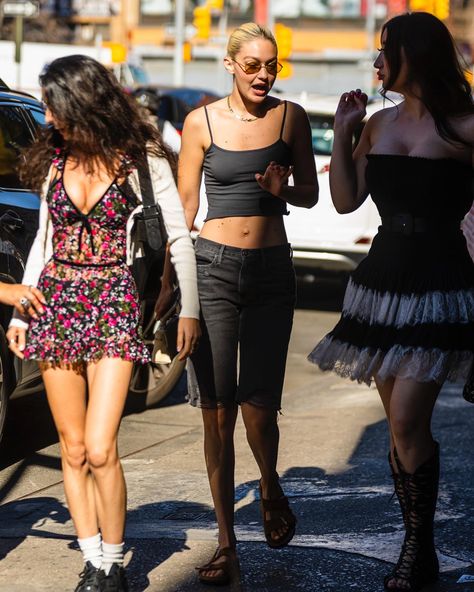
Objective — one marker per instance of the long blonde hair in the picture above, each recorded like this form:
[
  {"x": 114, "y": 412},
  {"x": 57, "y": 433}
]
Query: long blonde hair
[{"x": 245, "y": 33}]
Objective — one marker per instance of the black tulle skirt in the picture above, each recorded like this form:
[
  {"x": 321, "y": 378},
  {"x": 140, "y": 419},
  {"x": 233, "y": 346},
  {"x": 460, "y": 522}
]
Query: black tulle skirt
[{"x": 408, "y": 311}]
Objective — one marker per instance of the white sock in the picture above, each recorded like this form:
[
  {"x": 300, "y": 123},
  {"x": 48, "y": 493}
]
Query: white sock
[
  {"x": 91, "y": 548},
  {"x": 111, "y": 554}
]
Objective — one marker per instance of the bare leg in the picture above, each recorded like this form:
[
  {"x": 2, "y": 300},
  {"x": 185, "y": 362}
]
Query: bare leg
[
  {"x": 108, "y": 386},
  {"x": 411, "y": 409},
  {"x": 219, "y": 426},
  {"x": 263, "y": 437},
  {"x": 66, "y": 392}
]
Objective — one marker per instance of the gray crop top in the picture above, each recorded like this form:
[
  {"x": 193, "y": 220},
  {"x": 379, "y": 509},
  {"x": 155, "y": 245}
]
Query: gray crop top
[{"x": 229, "y": 177}]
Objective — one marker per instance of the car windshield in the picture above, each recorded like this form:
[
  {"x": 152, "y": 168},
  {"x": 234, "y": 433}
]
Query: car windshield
[
  {"x": 14, "y": 135},
  {"x": 322, "y": 133}
]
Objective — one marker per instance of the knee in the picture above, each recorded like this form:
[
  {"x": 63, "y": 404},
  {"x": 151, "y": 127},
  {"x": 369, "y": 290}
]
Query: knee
[
  {"x": 219, "y": 428},
  {"x": 260, "y": 421},
  {"x": 404, "y": 428},
  {"x": 100, "y": 456},
  {"x": 74, "y": 453}
]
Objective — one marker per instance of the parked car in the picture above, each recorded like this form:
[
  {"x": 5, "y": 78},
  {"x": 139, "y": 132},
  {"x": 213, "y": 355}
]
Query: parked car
[
  {"x": 173, "y": 103},
  {"x": 20, "y": 118},
  {"x": 321, "y": 238}
]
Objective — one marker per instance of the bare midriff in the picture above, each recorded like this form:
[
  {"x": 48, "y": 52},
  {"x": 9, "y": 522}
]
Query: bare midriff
[{"x": 248, "y": 232}]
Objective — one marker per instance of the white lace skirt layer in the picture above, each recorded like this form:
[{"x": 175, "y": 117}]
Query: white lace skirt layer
[{"x": 425, "y": 335}]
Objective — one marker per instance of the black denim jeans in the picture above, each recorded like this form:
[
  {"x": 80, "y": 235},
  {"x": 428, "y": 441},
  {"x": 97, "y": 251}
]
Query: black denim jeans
[{"x": 247, "y": 301}]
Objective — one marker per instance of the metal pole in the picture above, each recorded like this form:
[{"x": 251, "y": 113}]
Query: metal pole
[
  {"x": 270, "y": 16},
  {"x": 18, "y": 42},
  {"x": 370, "y": 28},
  {"x": 179, "y": 24}
]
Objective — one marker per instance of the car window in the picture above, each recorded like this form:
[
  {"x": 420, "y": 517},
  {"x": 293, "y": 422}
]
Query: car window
[
  {"x": 14, "y": 135},
  {"x": 322, "y": 133},
  {"x": 38, "y": 117}
]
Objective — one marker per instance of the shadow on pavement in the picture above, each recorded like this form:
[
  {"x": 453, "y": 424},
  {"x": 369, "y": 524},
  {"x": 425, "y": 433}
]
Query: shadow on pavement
[{"x": 22, "y": 515}]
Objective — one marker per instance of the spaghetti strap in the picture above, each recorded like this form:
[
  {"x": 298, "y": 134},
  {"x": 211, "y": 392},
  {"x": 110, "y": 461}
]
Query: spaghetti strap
[
  {"x": 283, "y": 120},
  {"x": 208, "y": 124}
]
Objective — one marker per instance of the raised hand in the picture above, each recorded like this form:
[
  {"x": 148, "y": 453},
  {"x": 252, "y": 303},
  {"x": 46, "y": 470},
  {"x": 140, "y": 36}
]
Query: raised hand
[
  {"x": 274, "y": 178},
  {"x": 350, "y": 110}
]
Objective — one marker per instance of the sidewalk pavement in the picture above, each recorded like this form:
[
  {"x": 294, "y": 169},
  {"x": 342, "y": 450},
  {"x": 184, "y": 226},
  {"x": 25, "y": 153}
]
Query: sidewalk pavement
[{"x": 333, "y": 468}]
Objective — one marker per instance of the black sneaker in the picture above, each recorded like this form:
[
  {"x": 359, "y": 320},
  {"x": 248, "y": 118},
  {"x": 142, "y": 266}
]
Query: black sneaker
[
  {"x": 116, "y": 580},
  {"x": 91, "y": 579}
]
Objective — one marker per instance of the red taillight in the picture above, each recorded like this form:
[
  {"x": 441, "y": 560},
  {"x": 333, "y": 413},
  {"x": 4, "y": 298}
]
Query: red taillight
[
  {"x": 324, "y": 169},
  {"x": 363, "y": 240}
]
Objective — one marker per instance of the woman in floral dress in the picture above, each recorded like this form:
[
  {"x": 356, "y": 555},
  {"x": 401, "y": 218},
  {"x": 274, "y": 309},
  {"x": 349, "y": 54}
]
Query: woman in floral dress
[{"x": 88, "y": 338}]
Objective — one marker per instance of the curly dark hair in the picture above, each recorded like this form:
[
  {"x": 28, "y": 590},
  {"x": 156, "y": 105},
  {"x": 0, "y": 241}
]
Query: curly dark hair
[
  {"x": 97, "y": 122},
  {"x": 434, "y": 66}
]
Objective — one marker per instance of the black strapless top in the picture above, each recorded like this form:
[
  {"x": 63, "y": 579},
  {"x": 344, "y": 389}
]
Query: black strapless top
[
  {"x": 435, "y": 188},
  {"x": 229, "y": 177}
]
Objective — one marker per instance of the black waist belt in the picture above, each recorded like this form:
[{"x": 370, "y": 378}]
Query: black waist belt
[
  {"x": 86, "y": 264},
  {"x": 408, "y": 224}
]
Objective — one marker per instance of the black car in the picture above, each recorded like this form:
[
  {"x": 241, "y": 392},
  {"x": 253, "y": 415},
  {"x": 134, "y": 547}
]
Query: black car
[
  {"x": 172, "y": 104},
  {"x": 21, "y": 116}
]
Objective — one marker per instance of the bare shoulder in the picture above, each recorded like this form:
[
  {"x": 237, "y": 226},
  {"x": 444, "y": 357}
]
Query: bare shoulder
[
  {"x": 465, "y": 127},
  {"x": 195, "y": 119},
  {"x": 383, "y": 116},
  {"x": 296, "y": 112}
]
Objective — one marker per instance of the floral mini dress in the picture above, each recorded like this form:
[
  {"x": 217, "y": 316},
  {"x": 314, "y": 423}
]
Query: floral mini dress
[{"x": 92, "y": 306}]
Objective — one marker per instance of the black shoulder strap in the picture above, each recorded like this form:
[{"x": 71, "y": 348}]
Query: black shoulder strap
[
  {"x": 146, "y": 186},
  {"x": 283, "y": 120},
  {"x": 155, "y": 228},
  {"x": 208, "y": 123}
]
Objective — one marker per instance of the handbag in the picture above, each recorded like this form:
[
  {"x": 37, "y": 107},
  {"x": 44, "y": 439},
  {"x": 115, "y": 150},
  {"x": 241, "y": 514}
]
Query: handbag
[
  {"x": 148, "y": 227},
  {"x": 149, "y": 234}
]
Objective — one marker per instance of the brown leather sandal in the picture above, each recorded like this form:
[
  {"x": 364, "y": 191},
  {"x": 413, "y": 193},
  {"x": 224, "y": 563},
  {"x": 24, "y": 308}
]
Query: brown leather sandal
[
  {"x": 281, "y": 516},
  {"x": 225, "y": 567}
]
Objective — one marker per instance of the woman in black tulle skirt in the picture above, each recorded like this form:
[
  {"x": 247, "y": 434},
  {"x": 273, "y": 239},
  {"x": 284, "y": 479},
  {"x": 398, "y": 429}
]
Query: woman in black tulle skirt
[{"x": 408, "y": 316}]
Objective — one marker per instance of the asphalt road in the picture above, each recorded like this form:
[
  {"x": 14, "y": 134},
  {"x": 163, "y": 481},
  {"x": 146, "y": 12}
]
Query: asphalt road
[{"x": 333, "y": 467}]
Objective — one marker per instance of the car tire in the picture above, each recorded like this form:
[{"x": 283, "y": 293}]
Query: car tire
[
  {"x": 4, "y": 380},
  {"x": 157, "y": 379}
]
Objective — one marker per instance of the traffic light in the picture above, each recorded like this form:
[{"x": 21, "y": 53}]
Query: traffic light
[
  {"x": 187, "y": 52},
  {"x": 441, "y": 9},
  {"x": 286, "y": 71},
  {"x": 422, "y": 5},
  {"x": 118, "y": 51},
  {"x": 202, "y": 21},
  {"x": 284, "y": 39},
  {"x": 216, "y": 5}
]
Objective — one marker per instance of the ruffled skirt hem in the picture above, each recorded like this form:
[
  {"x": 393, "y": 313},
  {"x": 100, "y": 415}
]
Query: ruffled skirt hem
[{"x": 365, "y": 364}]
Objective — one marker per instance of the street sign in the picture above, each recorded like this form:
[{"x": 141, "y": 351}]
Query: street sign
[{"x": 23, "y": 8}]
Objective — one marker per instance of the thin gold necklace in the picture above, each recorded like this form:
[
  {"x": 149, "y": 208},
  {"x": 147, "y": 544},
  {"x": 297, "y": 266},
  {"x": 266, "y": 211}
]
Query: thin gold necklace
[{"x": 236, "y": 115}]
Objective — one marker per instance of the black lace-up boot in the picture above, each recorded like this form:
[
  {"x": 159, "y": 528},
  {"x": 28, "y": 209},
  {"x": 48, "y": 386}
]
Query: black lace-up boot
[
  {"x": 398, "y": 487},
  {"x": 418, "y": 564},
  {"x": 91, "y": 579}
]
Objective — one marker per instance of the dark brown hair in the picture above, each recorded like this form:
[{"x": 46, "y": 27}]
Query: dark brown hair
[
  {"x": 100, "y": 122},
  {"x": 434, "y": 66}
]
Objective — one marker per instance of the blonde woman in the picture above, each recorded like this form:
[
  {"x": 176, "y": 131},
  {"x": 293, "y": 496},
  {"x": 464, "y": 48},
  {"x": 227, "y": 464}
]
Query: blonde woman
[{"x": 248, "y": 144}]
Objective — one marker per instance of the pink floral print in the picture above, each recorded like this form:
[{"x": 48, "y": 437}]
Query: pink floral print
[{"x": 92, "y": 303}]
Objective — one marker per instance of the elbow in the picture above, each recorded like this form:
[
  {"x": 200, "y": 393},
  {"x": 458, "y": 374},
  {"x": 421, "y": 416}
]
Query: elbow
[
  {"x": 343, "y": 209},
  {"x": 313, "y": 199}
]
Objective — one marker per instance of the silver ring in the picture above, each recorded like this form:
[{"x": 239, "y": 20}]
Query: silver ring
[
  {"x": 25, "y": 303},
  {"x": 12, "y": 340}
]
